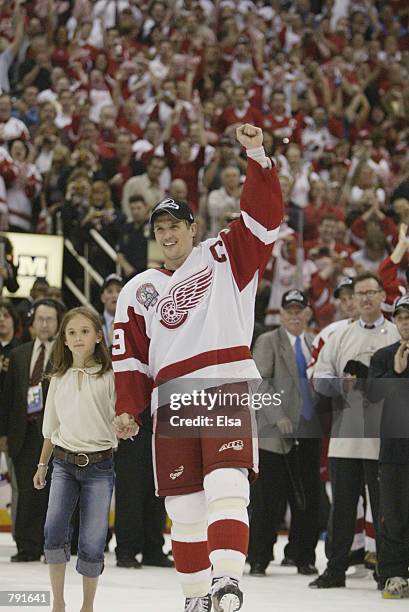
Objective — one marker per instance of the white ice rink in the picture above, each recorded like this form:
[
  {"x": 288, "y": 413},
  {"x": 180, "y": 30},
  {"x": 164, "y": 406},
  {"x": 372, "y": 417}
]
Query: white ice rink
[{"x": 157, "y": 590}]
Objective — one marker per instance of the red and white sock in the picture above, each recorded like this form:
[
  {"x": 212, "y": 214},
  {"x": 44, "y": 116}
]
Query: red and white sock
[
  {"x": 228, "y": 537},
  {"x": 227, "y": 495},
  {"x": 189, "y": 542}
]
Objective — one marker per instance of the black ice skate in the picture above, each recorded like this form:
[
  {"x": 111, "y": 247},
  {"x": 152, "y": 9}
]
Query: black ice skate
[
  {"x": 198, "y": 604},
  {"x": 226, "y": 595}
]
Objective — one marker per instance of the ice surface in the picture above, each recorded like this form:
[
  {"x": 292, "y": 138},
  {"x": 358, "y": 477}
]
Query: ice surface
[{"x": 155, "y": 589}]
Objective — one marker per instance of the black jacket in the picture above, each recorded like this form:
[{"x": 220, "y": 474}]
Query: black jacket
[
  {"x": 13, "y": 402},
  {"x": 5, "y": 352},
  {"x": 384, "y": 383}
]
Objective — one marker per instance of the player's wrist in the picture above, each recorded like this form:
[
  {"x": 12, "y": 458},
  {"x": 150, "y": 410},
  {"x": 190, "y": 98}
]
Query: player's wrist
[
  {"x": 256, "y": 151},
  {"x": 258, "y": 154}
]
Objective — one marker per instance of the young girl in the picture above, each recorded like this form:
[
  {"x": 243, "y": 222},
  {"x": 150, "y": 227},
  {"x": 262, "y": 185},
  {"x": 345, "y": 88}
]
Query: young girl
[{"x": 77, "y": 431}]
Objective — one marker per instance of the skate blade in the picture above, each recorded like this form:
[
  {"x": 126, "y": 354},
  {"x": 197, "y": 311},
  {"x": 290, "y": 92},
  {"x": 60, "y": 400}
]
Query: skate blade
[{"x": 229, "y": 603}]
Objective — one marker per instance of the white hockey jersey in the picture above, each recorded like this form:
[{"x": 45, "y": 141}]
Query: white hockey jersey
[{"x": 197, "y": 321}]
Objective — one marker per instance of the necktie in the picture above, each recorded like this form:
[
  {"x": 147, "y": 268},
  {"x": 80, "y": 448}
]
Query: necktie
[
  {"x": 306, "y": 410},
  {"x": 367, "y": 326},
  {"x": 38, "y": 369}
]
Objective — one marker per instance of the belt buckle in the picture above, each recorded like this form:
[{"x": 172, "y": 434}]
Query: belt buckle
[{"x": 82, "y": 465}]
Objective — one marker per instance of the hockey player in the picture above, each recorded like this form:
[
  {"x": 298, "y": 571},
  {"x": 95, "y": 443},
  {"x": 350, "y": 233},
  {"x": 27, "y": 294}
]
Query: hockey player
[{"x": 193, "y": 319}]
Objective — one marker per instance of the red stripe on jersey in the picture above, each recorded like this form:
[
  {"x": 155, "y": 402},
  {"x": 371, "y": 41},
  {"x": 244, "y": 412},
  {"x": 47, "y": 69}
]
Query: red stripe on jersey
[
  {"x": 203, "y": 360},
  {"x": 315, "y": 351},
  {"x": 190, "y": 557},
  {"x": 228, "y": 535},
  {"x": 369, "y": 529}
]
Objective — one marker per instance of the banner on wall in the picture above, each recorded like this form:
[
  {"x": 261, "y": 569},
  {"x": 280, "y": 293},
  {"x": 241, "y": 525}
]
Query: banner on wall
[{"x": 36, "y": 255}]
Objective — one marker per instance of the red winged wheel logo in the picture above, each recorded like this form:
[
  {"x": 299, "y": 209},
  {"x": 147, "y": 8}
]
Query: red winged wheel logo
[{"x": 183, "y": 297}]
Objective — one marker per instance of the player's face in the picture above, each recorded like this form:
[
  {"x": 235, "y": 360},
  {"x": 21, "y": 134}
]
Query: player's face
[
  {"x": 401, "y": 320},
  {"x": 175, "y": 238}
]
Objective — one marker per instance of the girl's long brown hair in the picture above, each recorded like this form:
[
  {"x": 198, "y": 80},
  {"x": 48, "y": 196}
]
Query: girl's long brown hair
[{"x": 62, "y": 356}]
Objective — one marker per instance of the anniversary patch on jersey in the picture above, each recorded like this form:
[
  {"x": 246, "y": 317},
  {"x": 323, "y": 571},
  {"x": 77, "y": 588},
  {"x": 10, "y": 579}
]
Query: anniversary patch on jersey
[
  {"x": 147, "y": 295},
  {"x": 184, "y": 296}
]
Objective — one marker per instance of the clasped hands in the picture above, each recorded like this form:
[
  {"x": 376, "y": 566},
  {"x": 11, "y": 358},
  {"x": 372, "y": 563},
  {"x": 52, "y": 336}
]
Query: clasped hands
[{"x": 125, "y": 426}]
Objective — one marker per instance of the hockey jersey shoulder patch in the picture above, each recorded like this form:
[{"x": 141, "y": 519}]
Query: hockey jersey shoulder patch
[{"x": 147, "y": 295}]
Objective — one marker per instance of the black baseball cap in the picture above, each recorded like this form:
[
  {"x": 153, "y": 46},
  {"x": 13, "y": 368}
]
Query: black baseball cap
[
  {"x": 402, "y": 302},
  {"x": 345, "y": 283},
  {"x": 112, "y": 278},
  {"x": 294, "y": 297},
  {"x": 177, "y": 208}
]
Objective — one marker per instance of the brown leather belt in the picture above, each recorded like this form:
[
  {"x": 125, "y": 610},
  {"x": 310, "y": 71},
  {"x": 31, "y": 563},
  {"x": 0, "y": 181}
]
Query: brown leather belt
[{"x": 81, "y": 459}]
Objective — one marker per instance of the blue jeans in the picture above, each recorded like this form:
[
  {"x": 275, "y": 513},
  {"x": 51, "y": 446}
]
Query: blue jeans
[{"x": 93, "y": 486}]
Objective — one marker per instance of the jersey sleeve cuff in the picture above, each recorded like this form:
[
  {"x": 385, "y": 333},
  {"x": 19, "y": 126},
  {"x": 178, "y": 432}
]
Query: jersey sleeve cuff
[{"x": 259, "y": 155}]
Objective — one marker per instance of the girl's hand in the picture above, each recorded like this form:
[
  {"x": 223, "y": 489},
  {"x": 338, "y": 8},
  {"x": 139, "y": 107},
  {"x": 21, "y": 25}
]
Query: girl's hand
[{"x": 39, "y": 480}]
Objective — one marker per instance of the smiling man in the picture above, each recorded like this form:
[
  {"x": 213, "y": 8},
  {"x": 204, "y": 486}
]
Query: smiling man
[{"x": 193, "y": 319}]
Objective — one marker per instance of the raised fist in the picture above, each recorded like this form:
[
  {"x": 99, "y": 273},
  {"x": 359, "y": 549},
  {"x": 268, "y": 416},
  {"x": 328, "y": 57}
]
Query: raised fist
[{"x": 249, "y": 136}]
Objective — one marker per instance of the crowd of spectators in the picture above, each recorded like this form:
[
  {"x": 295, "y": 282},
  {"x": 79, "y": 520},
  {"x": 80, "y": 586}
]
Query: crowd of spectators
[
  {"x": 104, "y": 101},
  {"x": 107, "y": 106}
]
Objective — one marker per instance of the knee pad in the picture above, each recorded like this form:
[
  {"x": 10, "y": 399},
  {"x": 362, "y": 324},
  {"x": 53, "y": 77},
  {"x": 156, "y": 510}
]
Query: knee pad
[
  {"x": 227, "y": 483},
  {"x": 187, "y": 509}
]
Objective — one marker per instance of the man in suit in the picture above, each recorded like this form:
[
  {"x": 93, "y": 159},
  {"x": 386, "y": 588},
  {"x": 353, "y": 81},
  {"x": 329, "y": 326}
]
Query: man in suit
[
  {"x": 289, "y": 455},
  {"x": 388, "y": 380},
  {"x": 21, "y": 416}
]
